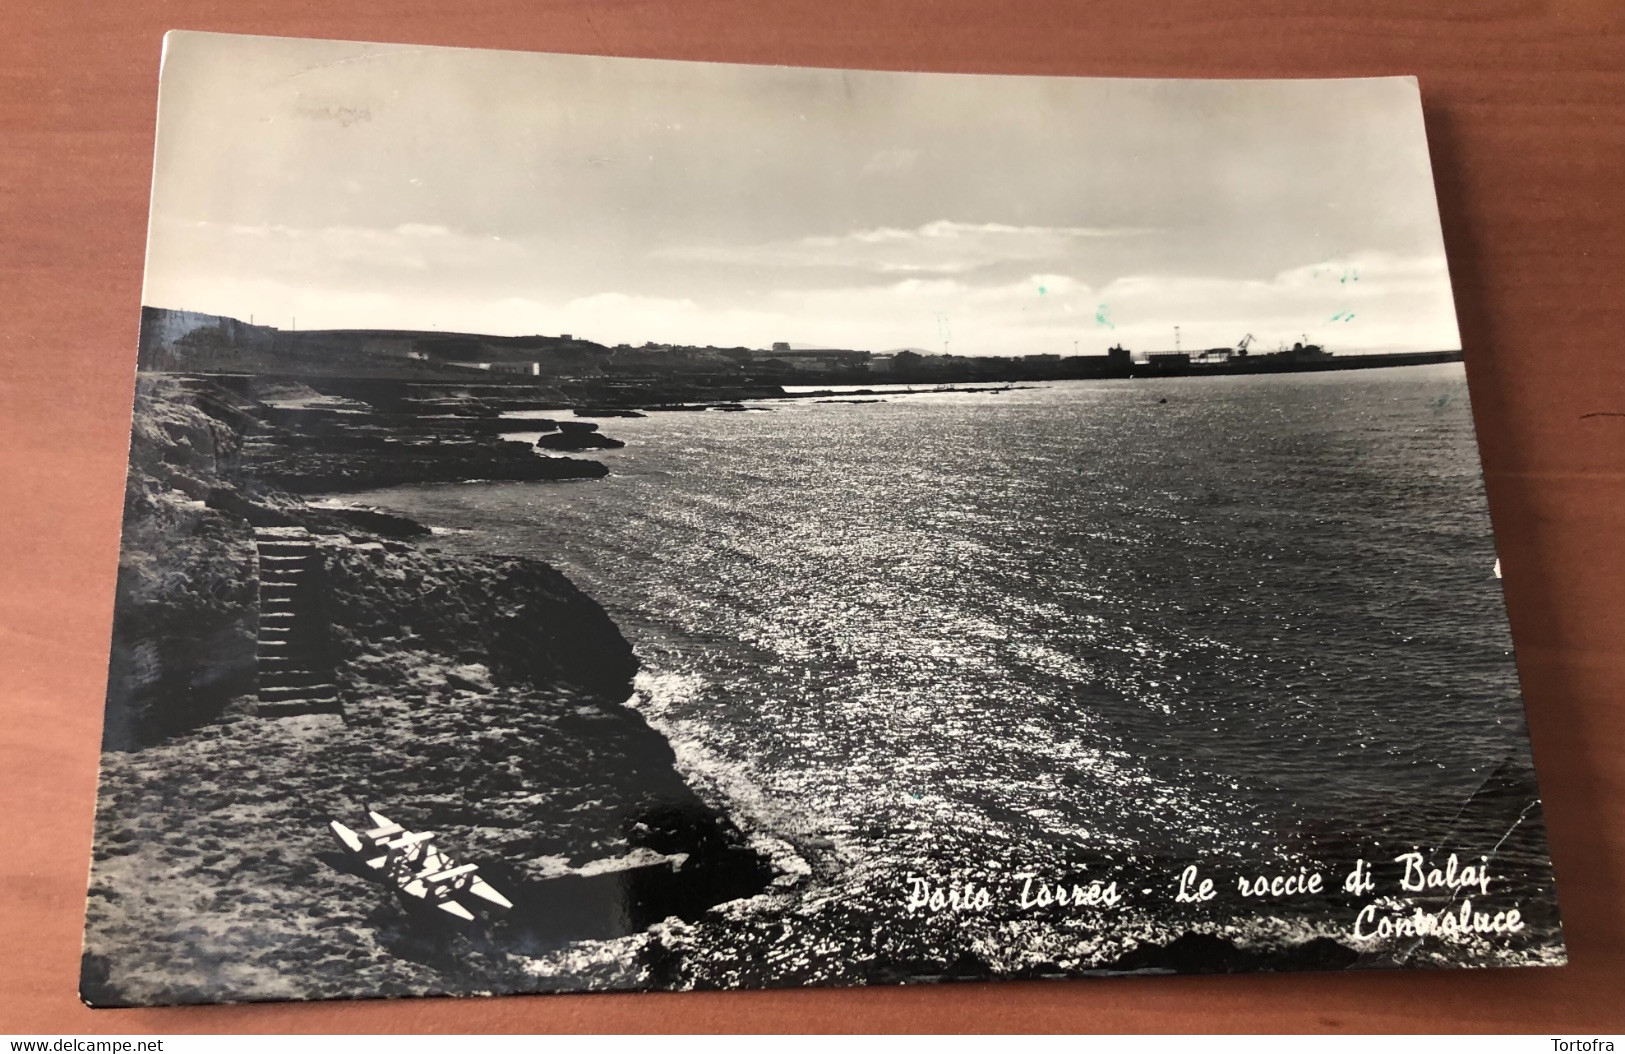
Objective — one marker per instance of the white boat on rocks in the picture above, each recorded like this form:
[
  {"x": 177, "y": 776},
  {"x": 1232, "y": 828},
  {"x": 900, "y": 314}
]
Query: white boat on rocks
[{"x": 418, "y": 869}]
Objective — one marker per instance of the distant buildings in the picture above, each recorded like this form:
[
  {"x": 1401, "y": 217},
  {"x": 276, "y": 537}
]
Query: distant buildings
[
  {"x": 527, "y": 369},
  {"x": 1161, "y": 361},
  {"x": 813, "y": 360}
]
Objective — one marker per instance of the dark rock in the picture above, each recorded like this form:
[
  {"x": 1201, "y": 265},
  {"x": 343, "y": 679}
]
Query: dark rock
[
  {"x": 314, "y": 472},
  {"x": 1205, "y": 953},
  {"x": 387, "y": 524},
  {"x": 573, "y": 440},
  {"x": 230, "y": 500}
]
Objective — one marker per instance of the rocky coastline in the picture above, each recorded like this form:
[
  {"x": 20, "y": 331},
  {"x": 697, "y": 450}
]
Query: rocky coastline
[
  {"x": 575, "y": 435},
  {"x": 303, "y": 441},
  {"x": 482, "y": 698}
]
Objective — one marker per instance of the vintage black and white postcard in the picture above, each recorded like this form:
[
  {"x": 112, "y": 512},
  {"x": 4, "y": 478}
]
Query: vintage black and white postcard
[{"x": 599, "y": 523}]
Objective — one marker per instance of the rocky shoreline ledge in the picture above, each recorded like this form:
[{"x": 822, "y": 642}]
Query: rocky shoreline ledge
[
  {"x": 300, "y": 440},
  {"x": 482, "y": 698}
]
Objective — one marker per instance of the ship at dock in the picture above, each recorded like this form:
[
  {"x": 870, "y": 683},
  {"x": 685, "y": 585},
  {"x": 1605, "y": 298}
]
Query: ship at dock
[{"x": 1301, "y": 357}]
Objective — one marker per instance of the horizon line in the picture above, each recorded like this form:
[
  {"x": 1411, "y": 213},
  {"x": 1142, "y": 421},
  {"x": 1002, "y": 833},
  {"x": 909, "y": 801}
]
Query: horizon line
[{"x": 576, "y": 336}]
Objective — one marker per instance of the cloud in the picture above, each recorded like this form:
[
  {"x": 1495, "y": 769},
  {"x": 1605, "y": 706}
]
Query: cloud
[
  {"x": 426, "y": 276},
  {"x": 928, "y": 312},
  {"x": 940, "y": 247},
  {"x": 1360, "y": 302}
]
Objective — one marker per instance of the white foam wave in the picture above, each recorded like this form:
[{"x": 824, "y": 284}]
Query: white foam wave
[{"x": 723, "y": 784}]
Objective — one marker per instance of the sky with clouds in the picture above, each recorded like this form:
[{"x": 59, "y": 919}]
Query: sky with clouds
[{"x": 334, "y": 185}]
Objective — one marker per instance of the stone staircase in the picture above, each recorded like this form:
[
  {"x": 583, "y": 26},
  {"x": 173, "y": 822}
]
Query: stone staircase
[
  {"x": 292, "y": 678},
  {"x": 257, "y": 448}
]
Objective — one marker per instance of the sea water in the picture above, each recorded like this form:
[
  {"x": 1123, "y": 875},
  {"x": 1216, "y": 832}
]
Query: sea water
[{"x": 949, "y": 654}]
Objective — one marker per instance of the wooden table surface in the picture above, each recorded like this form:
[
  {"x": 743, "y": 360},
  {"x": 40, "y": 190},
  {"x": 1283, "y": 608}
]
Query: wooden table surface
[{"x": 1525, "y": 105}]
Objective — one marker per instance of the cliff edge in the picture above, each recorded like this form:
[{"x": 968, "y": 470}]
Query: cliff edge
[{"x": 481, "y": 698}]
